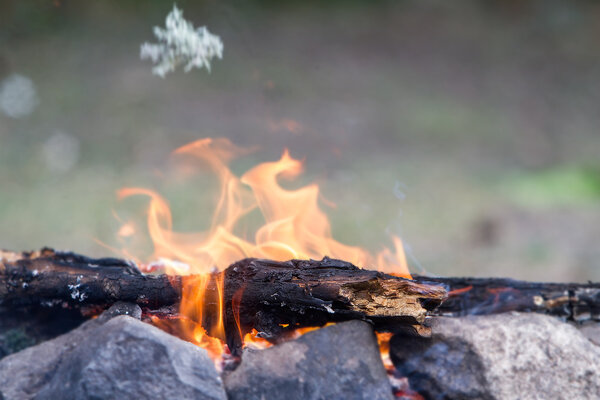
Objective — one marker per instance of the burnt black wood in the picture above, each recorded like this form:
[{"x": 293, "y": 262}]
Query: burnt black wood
[
  {"x": 278, "y": 297},
  {"x": 63, "y": 277},
  {"x": 480, "y": 296},
  {"x": 275, "y": 298}
]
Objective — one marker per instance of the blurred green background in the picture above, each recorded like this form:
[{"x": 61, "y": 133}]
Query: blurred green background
[{"x": 469, "y": 128}]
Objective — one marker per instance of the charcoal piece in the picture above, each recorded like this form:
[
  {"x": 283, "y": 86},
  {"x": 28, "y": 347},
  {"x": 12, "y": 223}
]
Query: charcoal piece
[
  {"x": 336, "y": 362},
  {"x": 129, "y": 359},
  {"x": 503, "y": 356},
  {"x": 121, "y": 308},
  {"x": 24, "y": 373}
]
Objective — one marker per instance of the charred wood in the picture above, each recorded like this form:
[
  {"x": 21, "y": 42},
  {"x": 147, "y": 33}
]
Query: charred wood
[
  {"x": 51, "y": 278},
  {"x": 577, "y": 302},
  {"x": 281, "y": 296},
  {"x": 272, "y": 297}
]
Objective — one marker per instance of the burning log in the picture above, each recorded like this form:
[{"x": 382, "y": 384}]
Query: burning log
[
  {"x": 483, "y": 296},
  {"x": 312, "y": 293},
  {"x": 271, "y": 297},
  {"x": 51, "y": 278}
]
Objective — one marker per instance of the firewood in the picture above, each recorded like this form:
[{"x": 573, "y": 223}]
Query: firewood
[
  {"x": 577, "y": 302},
  {"x": 49, "y": 278},
  {"x": 312, "y": 293},
  {"x": 271, "y": 297}
]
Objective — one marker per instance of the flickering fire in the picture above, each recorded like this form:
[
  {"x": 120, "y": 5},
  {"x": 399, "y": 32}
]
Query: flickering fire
[{"x": 295, "y": 228}]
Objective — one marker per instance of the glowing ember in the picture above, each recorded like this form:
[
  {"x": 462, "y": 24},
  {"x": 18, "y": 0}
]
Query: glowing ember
[{"x": 295, "y": 227}]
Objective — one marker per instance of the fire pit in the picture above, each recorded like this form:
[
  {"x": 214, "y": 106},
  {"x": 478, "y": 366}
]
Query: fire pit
[
  {"x": 216, "y": 272},
  {"x": 271, "y": 347},
  {"x": 272, "y": 326}
]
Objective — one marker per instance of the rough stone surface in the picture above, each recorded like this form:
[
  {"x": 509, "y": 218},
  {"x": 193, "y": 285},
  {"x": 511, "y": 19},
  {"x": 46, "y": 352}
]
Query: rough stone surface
[
  {"x": 24, "y": 373},
  {"x": 337, "y": 362},
  {"x": 118, "y": 358},
  {"x": 129, "y": 359},
  {"x": 592, "y": 332},
  {"x": 504, "y": 356}
]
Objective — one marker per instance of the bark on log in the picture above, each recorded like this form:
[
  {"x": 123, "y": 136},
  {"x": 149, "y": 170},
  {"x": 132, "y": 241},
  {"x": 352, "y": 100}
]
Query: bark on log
[
  {"x": 50, "y": 278},
  {"x": 312, "y": 293},
  {"x": 577, "y": 302},
  {"x": 272, "y": 297}
]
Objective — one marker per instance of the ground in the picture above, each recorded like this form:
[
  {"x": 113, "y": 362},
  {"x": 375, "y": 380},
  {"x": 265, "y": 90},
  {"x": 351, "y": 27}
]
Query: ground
[{"x": 469, "y": 130}]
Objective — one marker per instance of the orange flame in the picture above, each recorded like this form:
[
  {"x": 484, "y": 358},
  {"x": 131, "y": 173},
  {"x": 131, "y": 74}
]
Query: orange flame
[
  {"x": 383, "y": 340},
  {"x": 295, "y": 227}
]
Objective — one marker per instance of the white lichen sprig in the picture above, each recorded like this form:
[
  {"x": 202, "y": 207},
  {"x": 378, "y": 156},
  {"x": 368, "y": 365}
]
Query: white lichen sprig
[{"x": 181, "y": 44}]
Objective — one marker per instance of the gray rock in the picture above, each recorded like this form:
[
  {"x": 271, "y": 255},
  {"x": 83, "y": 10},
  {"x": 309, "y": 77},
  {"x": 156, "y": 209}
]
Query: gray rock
[
  {"x": 504, "y": 356},
  {"x": 24, "y": 373},
  {"x": 109, "y": 358},
  {"x": 592, "y": 332},
  {"x": 128, "y": 359},
  {"x": 337, "y": 362}
]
